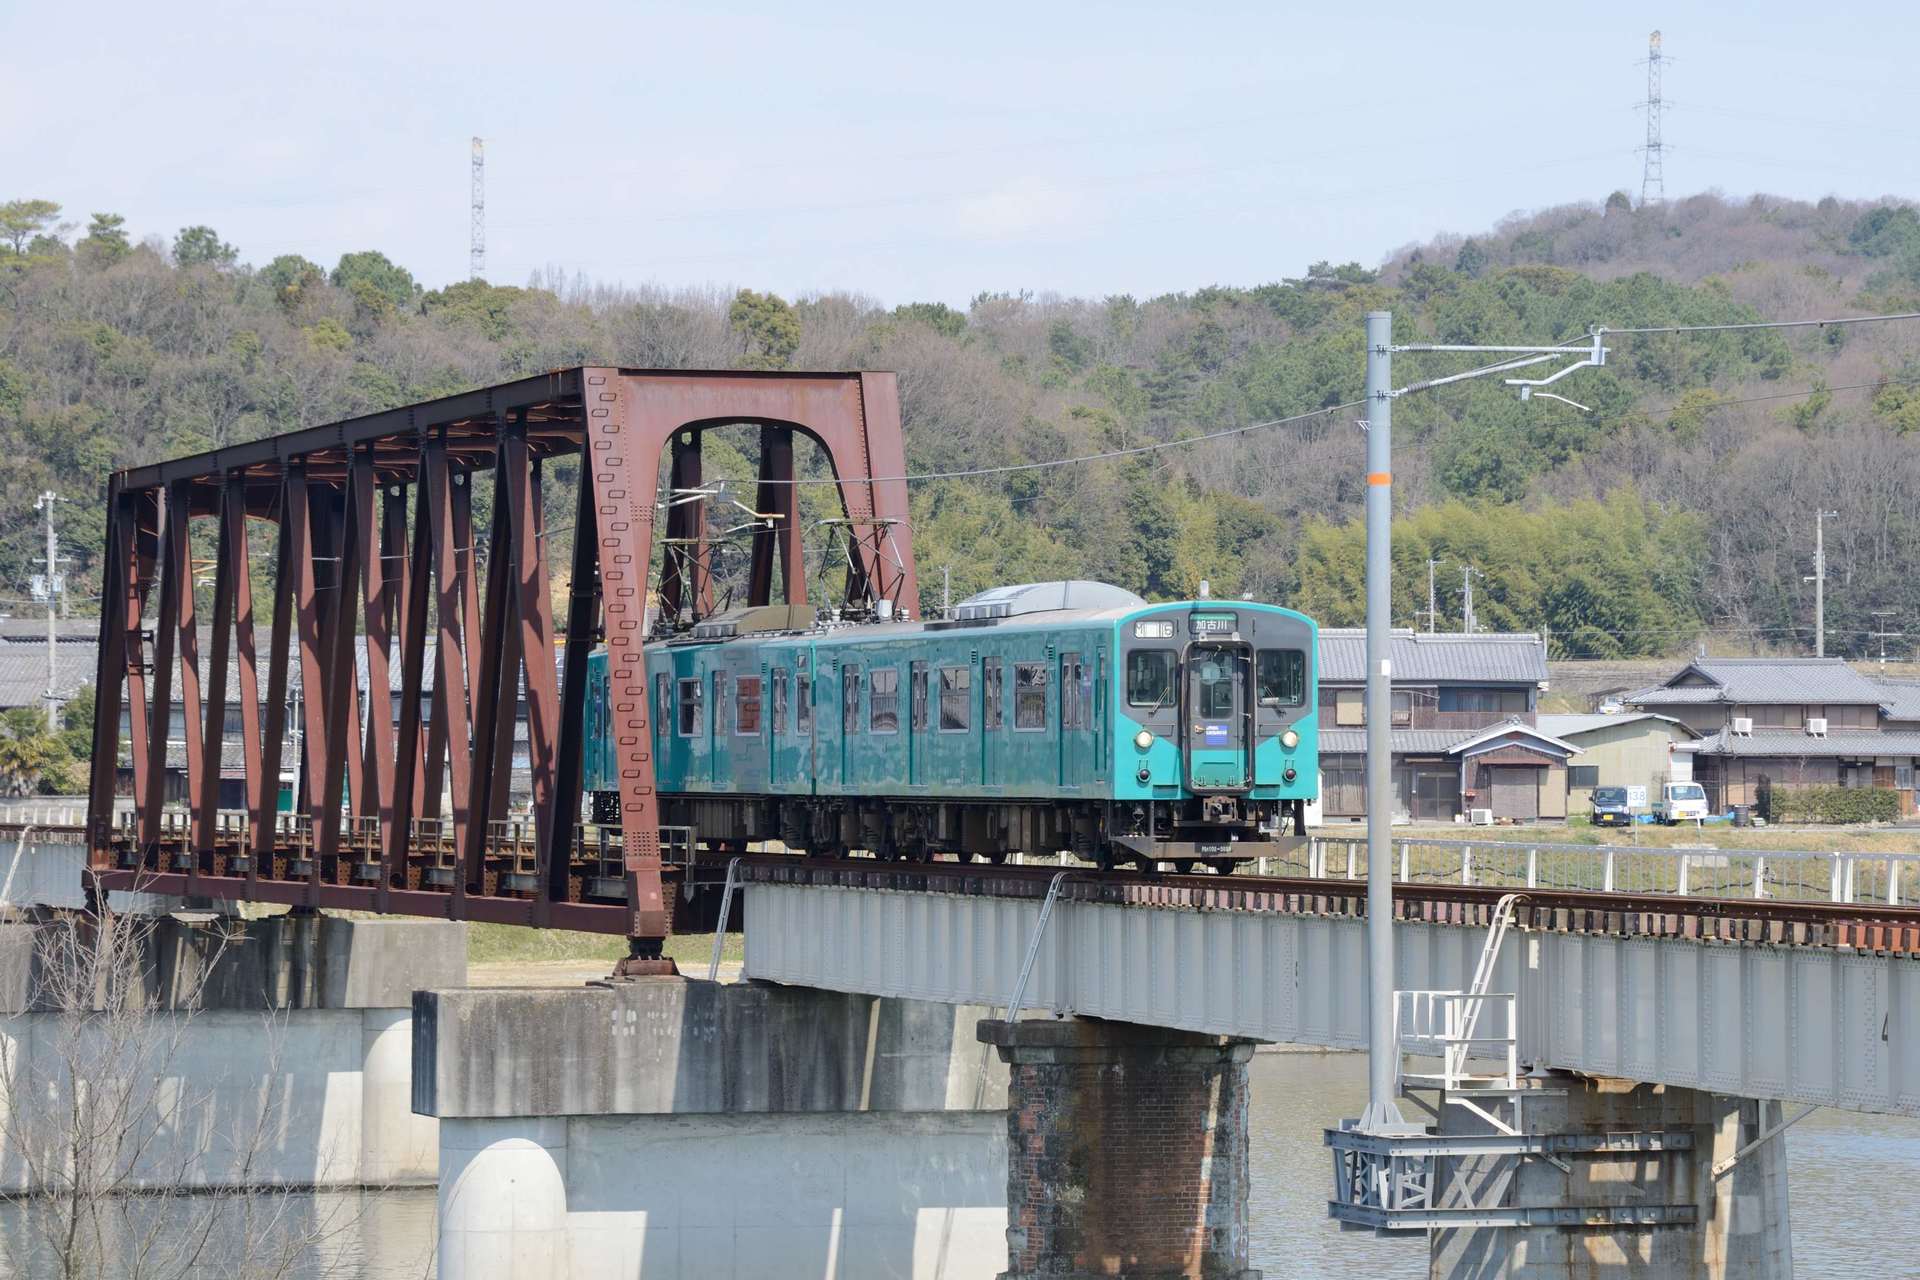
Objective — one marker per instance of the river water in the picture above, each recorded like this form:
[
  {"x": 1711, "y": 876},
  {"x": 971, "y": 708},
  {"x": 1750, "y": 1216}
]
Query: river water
[{"x": 1849, "y": 1181}]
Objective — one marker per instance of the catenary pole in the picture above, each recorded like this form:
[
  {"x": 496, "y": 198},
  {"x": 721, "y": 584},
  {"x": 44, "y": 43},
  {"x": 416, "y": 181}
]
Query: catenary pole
[
  {"x": 47, "y": 499},
  {"x": 1382, "y": 1053}
]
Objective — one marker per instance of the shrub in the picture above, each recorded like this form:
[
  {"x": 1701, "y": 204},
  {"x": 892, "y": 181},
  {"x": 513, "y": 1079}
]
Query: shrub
[{"x": 1836, "y": 804}]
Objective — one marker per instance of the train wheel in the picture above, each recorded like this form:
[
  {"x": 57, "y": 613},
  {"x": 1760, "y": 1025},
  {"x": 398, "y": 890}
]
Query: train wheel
[
  {"x": 1185, "y": 866},
  {"x": 1222, "y": 868}
]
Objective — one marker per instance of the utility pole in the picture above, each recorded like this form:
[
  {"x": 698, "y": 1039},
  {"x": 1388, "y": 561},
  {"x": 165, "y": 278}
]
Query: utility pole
[
  {"x": 477, "y": 235},
  {"x": 1883, "y": 635},
  {"x": 1433, "y": 611},
  {"x": 1383, "y": 1064},
  {"x": 1467, "y": 621},
  {"x": 1653, "y": 179},
  {"x": 45, "y": 504},
  {"x": 946, "y": 591},
  {"x": 1819, "y": 580}
]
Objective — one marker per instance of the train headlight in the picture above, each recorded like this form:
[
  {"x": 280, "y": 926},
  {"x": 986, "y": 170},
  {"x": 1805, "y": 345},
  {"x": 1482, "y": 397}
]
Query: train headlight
[
  {"x": 1143, "y": 739},
  {"x": 1289, "y": 739}
]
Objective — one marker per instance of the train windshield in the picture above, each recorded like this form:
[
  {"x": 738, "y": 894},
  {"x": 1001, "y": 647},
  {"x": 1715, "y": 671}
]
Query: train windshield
[
  {"x": 1213, "y": 683},
  {"x": 1150, "y": 678}
]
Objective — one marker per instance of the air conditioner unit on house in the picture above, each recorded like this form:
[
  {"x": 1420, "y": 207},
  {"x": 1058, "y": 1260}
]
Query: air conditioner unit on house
[
  {"x": 1743, "y": 725},
  {"x": 1480, "y": 817},
  {"x": 1817, "y": 726}
]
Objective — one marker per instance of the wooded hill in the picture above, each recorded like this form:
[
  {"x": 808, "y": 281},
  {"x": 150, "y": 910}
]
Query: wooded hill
[{"x": 1680, "y": 508}]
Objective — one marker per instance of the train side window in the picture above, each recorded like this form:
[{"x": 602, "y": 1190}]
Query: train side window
[
  {"x": 1030, "y": 695},
  {"x": 850, "y": 700},
  {"x": 1282, "y": 677},
  {"x": 746, "y": 707},
  {"x": 993, "y": 680},
  {"x": 883, "y": 698},
  {"x": 1150, "y": 678},
  {"x": 690, "y": 699},
  {"x": 956, "y": 699},
  {"x": 803, "y": 705},
  {"x": 919, "y": 697},
  {"x": 662, "y": 703},
  {"x": 779, "y": 715}
]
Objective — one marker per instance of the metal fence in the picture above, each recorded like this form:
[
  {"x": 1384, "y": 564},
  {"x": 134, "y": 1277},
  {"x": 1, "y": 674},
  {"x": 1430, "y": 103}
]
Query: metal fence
[{"x": 1781, "y": 875}]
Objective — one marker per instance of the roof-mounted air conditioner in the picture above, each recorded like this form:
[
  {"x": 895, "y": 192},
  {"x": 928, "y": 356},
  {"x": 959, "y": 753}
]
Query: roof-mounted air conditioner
[
  {"x": 1817, "y": 726},
  {"x": 1743, "y": 726}
]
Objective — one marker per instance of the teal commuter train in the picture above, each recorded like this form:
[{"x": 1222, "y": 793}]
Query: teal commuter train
[{"x": 1050, "y": 717}]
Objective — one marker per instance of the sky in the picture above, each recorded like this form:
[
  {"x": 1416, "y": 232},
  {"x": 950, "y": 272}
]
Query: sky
[{"x": 922, "y": 152}]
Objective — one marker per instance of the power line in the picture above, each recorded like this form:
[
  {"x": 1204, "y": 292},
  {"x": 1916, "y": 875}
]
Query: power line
[
  {"x": 1763, "y": 324},
  {"x": 1103, "y": 456}
]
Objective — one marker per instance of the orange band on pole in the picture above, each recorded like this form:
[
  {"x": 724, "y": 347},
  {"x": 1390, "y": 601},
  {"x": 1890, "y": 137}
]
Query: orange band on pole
[{"x": 1379, "y": 477}]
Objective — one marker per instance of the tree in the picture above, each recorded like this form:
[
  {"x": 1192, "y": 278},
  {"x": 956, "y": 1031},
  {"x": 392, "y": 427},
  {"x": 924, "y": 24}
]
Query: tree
[
  {"x": 106, "y": 240},
  {"x": 377, "y": 284},
  {"x": 290, "y": 278},
  {"x": 195, "y": 246},
  {"x": 767, "y": 325},
  {"x": 1619, "y": 202},
  {"x": 32, "y": 760},
  {"x": 22, "y": 220}
]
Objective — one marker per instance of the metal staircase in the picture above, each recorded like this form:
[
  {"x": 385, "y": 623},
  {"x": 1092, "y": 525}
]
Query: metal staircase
[{"x": 1398, "y": 1181}]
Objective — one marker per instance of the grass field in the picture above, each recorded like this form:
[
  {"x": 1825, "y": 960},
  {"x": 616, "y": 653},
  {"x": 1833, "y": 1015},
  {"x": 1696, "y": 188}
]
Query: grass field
[{"x": 504, "y": 944}]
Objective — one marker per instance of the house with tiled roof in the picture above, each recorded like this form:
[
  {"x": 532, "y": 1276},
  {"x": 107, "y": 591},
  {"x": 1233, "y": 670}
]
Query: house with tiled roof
[
  {"x": 1464, "y": 735},
  {"x": 1789, "y": 722}
]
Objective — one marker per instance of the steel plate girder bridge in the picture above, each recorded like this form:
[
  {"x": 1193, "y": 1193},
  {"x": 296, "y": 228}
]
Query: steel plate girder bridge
[
  {"x": 1818, "y": 1004},
  {"x": 374, "y": 528}
]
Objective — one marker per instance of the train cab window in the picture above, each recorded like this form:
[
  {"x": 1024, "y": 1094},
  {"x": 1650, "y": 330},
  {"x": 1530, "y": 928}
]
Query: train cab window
[
  {"x": 1150, "y": 678},
  {"x": 1073, "y": 702},
  {"x": 1213, "y": 684},
  {"x": 779, "y": 711},
  {"x": 1030, "y": 695},
  {"x": 883, "y": 711},
  {"x": 993, "y": 681},
  {"x": 803, "y": 705},
  {"x": 956, "y": 699},
  {"x": 1281, "y": 675},
  {"x": 746, "y": 707},
  {"x": 850, "y": 700},
  {"x": 690, "y": 699}
]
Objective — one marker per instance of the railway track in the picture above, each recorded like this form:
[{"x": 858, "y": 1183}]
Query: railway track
[
  {"x": 1860, "y": 926},
  {"x": 1864, "y": 926}
]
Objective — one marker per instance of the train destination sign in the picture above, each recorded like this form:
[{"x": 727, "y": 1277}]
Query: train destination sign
[{"x": 1213, "y": 624}]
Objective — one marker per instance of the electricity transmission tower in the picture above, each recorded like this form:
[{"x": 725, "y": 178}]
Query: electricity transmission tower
[
  {"x": 477, "y": 240},
  {"x": 1653, "y": 182}
]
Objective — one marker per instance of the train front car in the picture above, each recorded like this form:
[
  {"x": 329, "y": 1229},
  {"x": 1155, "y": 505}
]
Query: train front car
[{"x": 1216, "y": 732}]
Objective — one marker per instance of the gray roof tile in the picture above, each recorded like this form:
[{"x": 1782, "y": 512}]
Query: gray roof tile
[
  {"x": 1417, "y": 742},
  {"x": 1793, "y": 744},
  {"x": 1764, "y": 680},
  {"x": 1901, "y": 698},
  {"x": 1417, "y": 657}
]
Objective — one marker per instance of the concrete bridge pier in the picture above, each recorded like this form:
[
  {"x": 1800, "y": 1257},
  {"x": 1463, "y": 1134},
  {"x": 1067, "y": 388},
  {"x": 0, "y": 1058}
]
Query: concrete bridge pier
[
  {"x": 1126, "y": 1151},
  {"x": 1739, "y": 1228},
  {"x": 266, "y": 1052},
  {"x": 666, "y": 1127}
]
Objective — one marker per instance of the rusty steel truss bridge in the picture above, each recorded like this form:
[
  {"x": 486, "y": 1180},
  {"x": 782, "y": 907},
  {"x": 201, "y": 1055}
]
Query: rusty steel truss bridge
[{"x": 374, "y": 528}]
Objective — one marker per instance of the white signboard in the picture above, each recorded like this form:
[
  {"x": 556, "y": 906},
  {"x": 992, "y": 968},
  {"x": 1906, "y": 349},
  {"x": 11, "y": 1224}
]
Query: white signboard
[{"x": 1636, "y": 797}]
